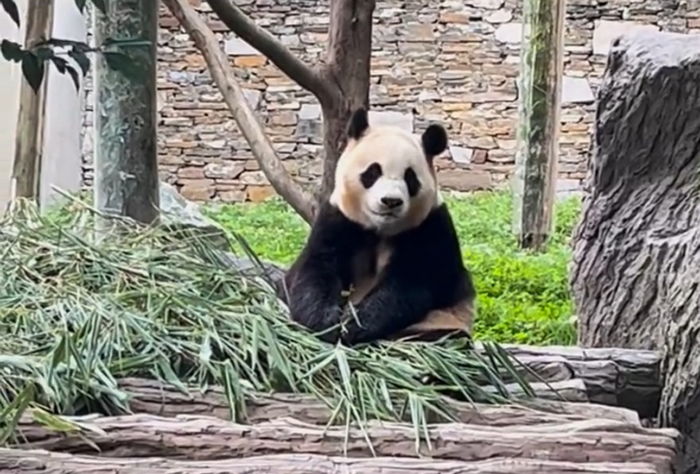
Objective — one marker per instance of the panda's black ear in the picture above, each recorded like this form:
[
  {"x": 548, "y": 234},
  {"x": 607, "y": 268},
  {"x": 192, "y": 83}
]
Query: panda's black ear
[
  {"x": 434, "y": 140},
  {"x": 358, "y": 123}
]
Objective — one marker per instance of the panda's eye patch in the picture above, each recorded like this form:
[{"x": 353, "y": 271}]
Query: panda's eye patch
[
  {"x": 371, "y": 175},
  {"x": 412, "y": 182}
]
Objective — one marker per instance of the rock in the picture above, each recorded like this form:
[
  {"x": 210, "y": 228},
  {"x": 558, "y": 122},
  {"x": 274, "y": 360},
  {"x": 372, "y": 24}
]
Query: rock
[
  {"x": 235, "y": 46},
  {"x": 397, "y": 119},
  {"x": 510, "y": 33},
  {"x": 225, "y": 170},
  {"x": 485, "y": 4},
  {"x": 576, "y": 90},
  {"x": 465, "y": 180},
  {"x": 259, "y": 193},
  {"x": 232, "y": 196},
  {"x": 310, "y": 112},
  {"x": 461, "y": 155},
  {"x": 500, "y": 16},
  {"x": 253, "y": 97},
  {"x": 606, "y": 31},
  {"x": 253, "y": 177},
  {"x": 179, "y": 213},
  {"x": 480, "y": 156},
  {"x": 250, "y": 61}
]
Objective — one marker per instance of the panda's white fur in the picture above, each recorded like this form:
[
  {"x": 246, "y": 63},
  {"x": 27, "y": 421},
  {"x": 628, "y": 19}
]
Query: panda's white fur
[{"x": 395, "y": 150}]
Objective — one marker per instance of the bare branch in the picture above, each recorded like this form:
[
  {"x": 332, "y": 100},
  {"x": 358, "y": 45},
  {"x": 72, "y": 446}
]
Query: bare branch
[
  {"x": 221, "y": 72},
  {"x": 270, "y": 47}
]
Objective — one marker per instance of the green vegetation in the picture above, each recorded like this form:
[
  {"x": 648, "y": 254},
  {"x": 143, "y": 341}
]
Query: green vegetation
[
  {"x": 77, "y": 314},
  {"x": 523, "y": 297}
]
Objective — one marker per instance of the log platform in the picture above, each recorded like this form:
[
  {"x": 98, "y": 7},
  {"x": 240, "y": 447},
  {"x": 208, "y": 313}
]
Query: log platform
[{"x": 169, "y": 430}]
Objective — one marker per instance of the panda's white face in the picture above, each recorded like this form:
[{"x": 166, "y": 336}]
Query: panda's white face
[{"x": 385, "y": 181}]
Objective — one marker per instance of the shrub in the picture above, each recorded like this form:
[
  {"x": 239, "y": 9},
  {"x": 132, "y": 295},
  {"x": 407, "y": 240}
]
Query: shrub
[{"x": 523, "y": 296}]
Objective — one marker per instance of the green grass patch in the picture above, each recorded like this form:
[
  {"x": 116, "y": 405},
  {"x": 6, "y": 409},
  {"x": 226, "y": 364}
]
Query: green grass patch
[{"x": 523, "y": 296}]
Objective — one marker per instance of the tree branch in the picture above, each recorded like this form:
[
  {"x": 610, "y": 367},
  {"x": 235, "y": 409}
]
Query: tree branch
[
  {"x": 270, "y": 47},
  {"x": 221, "y": 72}
]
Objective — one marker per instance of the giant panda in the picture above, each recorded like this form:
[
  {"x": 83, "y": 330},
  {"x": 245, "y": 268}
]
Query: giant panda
[{"x": 382, "y": 260}]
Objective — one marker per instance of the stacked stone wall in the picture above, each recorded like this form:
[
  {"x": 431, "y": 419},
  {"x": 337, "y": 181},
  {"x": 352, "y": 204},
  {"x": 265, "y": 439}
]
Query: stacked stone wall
[{"x": 453, "y": 61}]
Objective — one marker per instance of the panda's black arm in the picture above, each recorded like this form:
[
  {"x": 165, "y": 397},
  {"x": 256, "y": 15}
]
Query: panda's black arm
[
  {"x": 425, "y": 272},
  {"x": 397, "y": 303},
  {"x": 323, "y": 270}
]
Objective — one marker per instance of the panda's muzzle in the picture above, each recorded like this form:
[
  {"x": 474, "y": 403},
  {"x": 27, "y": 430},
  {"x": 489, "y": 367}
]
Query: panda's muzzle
[{"x": 391, "y": 202}]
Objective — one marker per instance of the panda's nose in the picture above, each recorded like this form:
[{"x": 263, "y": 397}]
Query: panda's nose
[{"x": 392, "y": 203}]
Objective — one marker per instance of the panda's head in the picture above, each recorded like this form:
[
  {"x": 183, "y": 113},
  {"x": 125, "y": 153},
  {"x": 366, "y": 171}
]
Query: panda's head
[{"x": 385, "y": 180}]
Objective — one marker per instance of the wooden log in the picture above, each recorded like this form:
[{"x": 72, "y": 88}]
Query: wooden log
[
  {"x": 44, "y": 462},
  {"x": 636, "y": 270},
  {"x": 155, "y": 398},
  {"x": 629, "y": 378},
  {"x": 208, "y": 438}
]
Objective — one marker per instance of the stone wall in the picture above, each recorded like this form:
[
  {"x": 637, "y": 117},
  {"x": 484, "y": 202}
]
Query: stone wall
[{"x": 453, "y": 61}]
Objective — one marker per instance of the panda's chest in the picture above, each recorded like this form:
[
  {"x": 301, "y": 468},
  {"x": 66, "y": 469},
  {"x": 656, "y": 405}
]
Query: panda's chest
[{"x": 368, "y": 268}]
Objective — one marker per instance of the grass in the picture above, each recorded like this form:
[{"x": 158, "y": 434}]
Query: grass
[
  {"x": 77, "y": 313},
  {"x": 523, "y": 296}
]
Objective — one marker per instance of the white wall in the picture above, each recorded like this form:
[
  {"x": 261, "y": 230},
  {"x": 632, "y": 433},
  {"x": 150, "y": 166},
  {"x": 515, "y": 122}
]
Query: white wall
[
  {"x": 61, "y": 164},
  {"x": 9, "y": 104}
]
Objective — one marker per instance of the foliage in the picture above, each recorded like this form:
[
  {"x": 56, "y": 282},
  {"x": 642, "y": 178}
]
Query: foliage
[
  {"x": 523, "y": 296},
  {"x": 57, "y": 51},
  {"x": 76, "y": 314}
]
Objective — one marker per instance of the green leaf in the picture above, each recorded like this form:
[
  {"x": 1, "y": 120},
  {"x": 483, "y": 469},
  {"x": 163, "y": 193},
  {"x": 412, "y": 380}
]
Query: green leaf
[
  {"x": 74, "y": 76},
  {"x": 11, "y": 8},
  {"x": 60, "y": 63},
  {"x": 81, "y": 59},
  {"x": 33, "y": 70},
  {"x": 101, "y": 5},
  {"x": 81, "y": 5},
  {"x": 43, "y": 53},
  {"x": 11, "y": 51}
]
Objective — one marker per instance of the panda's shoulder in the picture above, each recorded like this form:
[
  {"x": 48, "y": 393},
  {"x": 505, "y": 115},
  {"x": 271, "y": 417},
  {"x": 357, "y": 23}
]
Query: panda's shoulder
[{"x": 438, "y": 219}]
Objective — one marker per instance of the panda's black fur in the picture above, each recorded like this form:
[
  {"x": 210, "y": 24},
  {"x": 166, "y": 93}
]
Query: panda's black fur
[{"x": 424, "y": 272}]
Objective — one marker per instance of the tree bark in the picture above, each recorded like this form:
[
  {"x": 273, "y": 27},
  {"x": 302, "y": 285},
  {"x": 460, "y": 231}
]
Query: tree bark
[
  {"x": 126, "y": 160},
  {"x": 43, "y": 462},
  {"x": 244, "y": 116},
  {"x": 538, "y": 134},
  {"x": 26, "y": 170},
  {"x": 208, "y": 438},
  {"x": 348, "y": 66},
  {"x": 635, "y": 271}
]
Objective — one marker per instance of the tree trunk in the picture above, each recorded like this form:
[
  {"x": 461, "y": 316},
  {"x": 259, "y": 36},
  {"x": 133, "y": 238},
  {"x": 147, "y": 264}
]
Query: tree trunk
[
  {"x": 538, "y": 133},
  {"x": 126, "y": 160},
  {"x": 26, "y": 170},
  {"x": 636, "y": 270},
  {"x": 348, "y": 66},
  {"x": 43, "y": 462},
  {"x": 206, "y": 438}
]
